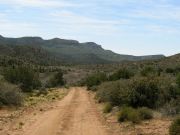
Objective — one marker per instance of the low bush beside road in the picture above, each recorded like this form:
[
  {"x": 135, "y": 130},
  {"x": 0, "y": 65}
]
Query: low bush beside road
[
  {"x": 134, "y": 115},
  {"x": 10, "y": 95},
  {"x": 175, "y": 127}
]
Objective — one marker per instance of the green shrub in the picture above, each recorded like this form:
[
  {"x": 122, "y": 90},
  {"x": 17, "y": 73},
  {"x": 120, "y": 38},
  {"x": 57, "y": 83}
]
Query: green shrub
[
  {"x": 56, "y": 80},
  {"x": 95, "y": 79},
  {"x": 175, "y": 127},
  {"x": 145, "y": 113},
  {"x": 23, "y": 76},
  {"x": 171, "y": 108},
  {"x": 107, "y": 108},
  {"x": 10, "y": 94},
  {"x": 123, "y": 114},
  {"x": 151, "y": 92},
  {"x": 145, "y": 93},
  {"x": 137, "y": 92},
  {"x": 148, "y": 71},
  {"x": 159, "y": 71},
  {"x": 117, "y": 93},
  {"x": 134, "y": 116},
  {"x": 178, "y": 80},
  {"x": 121, "y": 74},
  {"x": 168, "y": 90},
  {"x": 170, "y": 70},
  {"x": 129, "y": 114}
]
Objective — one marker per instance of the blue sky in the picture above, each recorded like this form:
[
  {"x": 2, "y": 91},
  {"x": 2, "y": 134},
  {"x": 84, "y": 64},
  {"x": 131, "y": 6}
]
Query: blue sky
[{"x": 137, "y": 27}]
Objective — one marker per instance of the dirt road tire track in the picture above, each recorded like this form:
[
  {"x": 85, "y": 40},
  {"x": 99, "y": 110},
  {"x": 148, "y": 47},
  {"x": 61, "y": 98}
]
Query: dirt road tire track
[{"x": 74, "y": 115}]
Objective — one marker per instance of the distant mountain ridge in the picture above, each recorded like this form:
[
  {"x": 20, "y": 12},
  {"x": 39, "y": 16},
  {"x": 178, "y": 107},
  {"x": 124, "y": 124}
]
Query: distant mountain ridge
[{"x": 63, "y": 51}]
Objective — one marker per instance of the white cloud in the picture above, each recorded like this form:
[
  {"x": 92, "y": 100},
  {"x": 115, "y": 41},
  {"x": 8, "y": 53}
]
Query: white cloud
[
  {"x": 11, "y": 28},
  {"x": 161, "y": 13},
  {"x": 162, "y": 30},
  {"x": 78, "y": 22},
  {"x": 70, "y": 17},
  {"x": 37, "y": 3}
]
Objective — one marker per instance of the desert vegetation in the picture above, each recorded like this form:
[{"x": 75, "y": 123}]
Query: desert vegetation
[
  {"x": 56, "y": 80},
  {"x": 139, "y": 90},
  {"x": 134, "y": 115},
  {"x": 10, "y": 95},
  {"x": 136, "y": 90},
  {"x": 23, "y": 76},
  {"x": 175, "y": 127},
  {"x": 19, "y": 83}
]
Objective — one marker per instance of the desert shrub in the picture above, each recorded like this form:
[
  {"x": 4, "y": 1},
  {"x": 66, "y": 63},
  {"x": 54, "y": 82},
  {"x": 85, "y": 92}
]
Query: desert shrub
[
  {"x": 174, "y": 71},
  {"x": 169, "y": 96},
  {"x": 123, "y": 114},
  {"x": 148, "y": 71},
  {"x": 175, "y": 127},
  {"x": 56, "y": 80},
  {"x": 168, "y": 92},
  {"x": 159, "y": 71},
  {"x": 137, "y": 92},
  {"x": 145, "y": 113},
  {"x": 145, "y": 93},
  {"x": 10, "y": 94},
  {"x": 151, "y": 92},
  {"x": 23, "y": 76},
  {"x": 171, "y": 108},
  {"x": 170, "y": 70},
  {"x": 121, "y": 74},
  {"x": 116, "y": 93},
  {"x": 178, "y": 80},
  {"x": 95, "y": 79},
  {"x": 129, "y": 114},
  {"x": 134, "y": 115},
  {"x": 107, "y": 108},
  {"x": 177, "y": 69}
]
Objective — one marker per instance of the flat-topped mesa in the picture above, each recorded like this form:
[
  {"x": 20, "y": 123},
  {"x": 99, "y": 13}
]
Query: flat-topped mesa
[
  {"x": 69, "y": 51},
  {"x": 62, "y": 41},
  {"x": 31, "y": 39}
]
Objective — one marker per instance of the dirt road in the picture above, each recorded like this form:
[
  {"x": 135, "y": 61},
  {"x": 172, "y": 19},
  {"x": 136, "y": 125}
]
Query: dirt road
[{"x": 74, "y": 115}]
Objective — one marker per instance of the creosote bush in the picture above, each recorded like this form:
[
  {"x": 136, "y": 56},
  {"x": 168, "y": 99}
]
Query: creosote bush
[
  {"x": 56, "y": 80},
  {"x": 10, "y": 95},
  {"x": 169, "y": 70},
  {"x": 95, "y": 79},
  {"x": 148, "y": 71},
  {"x": 23, "y": 76},
  {"x": 121, "y": 74},
  {"x": 178, "y": 80},
  {"x": 144, "y": 93},
  {"x": 116, "y": 92},
  {"x": 136, "y": 92},
  {"x": 175, "y": 127}
]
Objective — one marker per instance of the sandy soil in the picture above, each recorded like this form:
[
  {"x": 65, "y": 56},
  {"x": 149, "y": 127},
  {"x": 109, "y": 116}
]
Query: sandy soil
[{"x": 76, "y": 114}]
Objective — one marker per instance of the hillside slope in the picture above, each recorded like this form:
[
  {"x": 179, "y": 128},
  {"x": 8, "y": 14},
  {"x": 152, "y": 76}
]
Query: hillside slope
[{"x": 63, "y": 51}]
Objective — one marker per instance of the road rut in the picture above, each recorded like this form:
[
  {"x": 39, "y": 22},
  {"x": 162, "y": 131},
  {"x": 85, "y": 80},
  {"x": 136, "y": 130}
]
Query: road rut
[{"x": 74, "y": 115}]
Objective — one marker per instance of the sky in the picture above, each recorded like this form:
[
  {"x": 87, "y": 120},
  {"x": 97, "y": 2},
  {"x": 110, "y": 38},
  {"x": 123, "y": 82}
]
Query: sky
[{"x": 136, "y": 27}]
